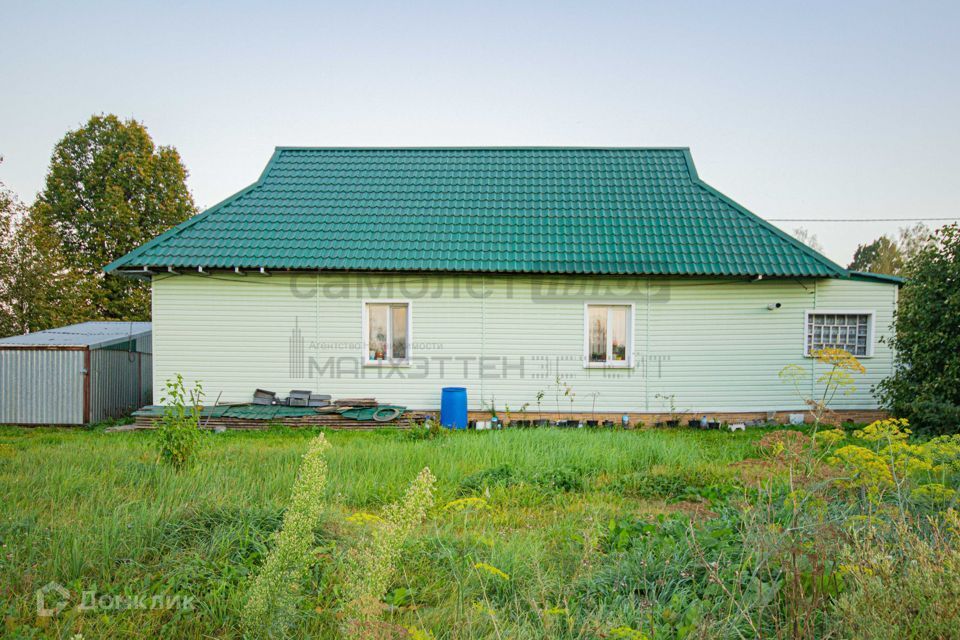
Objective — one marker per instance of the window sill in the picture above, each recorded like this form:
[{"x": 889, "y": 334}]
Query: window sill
[
  {"x": 866, "y": 357},
  {"x": 402, "y": 364},
  {"x": 604, "y": 365}
]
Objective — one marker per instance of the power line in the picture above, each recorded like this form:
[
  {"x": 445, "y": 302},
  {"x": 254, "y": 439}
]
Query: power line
[{"x": 859, "y": 219}]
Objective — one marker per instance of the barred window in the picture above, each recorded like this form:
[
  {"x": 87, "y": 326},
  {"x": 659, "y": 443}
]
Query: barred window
[{"x": 847, "y": 331}]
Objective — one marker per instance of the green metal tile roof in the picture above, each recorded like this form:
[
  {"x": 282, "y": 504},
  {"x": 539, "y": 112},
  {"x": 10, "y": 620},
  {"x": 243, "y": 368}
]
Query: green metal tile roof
[{"x": 526, "y": 210}]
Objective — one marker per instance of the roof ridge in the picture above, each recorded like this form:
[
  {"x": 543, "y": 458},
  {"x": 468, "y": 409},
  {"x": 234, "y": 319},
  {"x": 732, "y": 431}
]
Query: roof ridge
[{"x": 478, "y": 148}]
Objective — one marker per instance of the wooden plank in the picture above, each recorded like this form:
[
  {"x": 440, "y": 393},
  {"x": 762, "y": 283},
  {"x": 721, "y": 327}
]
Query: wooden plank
[{"x": 329, "y": 421}]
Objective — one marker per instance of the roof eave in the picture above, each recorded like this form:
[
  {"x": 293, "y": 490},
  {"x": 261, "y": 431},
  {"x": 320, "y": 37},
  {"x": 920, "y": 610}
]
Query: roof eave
[{"x": 876, "y": 277}]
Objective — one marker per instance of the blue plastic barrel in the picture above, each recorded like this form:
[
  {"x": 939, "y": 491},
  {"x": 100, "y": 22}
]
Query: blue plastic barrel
[{"x": 453, "y": 407}]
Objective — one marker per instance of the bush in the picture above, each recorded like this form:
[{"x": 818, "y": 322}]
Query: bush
[
  {"x": 925, "y": 386},
  {"x": 933, "y": 416},
  {"x": 179, "y": 431}
]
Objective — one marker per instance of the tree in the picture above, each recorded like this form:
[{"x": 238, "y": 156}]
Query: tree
[
  {"x": 925, "y": 385},
  {"x": 884, "y": 255},
  {"x": 37, "y": 290},
  {"x": 109, "y": 189},
  {"x": 914, "y": 239},
  {"x": 808, "y": 238},
  {"x": 880, "y": 256}
]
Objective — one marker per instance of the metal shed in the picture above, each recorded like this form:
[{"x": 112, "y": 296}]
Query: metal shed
[{"x": 80, "y": 374}]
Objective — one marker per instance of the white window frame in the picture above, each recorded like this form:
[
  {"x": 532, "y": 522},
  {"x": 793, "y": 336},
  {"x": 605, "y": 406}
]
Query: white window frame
[
  {"x": 871, "y": 324},
  {"x": 628, "y": 363},
  {"x": 365, "y": 328}
]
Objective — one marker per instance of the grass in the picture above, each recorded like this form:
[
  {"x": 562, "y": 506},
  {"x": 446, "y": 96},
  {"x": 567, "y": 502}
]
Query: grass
[
  {"x": 94, "y": 510},
  {"x": 569, "y": 534}
]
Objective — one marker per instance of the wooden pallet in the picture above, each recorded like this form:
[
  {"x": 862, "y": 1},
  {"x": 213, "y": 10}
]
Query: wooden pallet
[{"x": 325, "y": 420}]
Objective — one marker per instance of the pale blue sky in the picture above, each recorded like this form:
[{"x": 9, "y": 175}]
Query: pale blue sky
[{"x": 797, "y": 110}]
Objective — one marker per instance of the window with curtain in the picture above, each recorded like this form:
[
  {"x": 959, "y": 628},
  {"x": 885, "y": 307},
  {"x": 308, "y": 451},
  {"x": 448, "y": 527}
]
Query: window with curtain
[
  {"x": 387, "y": 332},
  {"x": 608, "y": 340}
]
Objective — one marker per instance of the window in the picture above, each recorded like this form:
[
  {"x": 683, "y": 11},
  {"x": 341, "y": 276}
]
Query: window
[
  {"x": 608, "y": 339},
  {"x": 851, "y": 332},
  {"x": 386, "y": 332}
]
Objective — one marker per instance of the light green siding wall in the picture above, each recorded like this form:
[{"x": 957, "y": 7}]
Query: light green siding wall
[{"x": 711, "y": 343}]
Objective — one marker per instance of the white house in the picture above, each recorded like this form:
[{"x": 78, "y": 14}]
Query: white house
[{"x": 565, "y": 280}]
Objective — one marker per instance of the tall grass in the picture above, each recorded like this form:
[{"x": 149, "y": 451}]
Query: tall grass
[{"x": 93, "y": 510}]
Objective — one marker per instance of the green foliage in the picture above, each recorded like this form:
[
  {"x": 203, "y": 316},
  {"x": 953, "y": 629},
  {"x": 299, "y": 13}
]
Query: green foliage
[
  {"x": 933, "y": 415},
  {"x": 37, "y": 290},
  {"x": 429, "y": 430},
  {"x": 768, "y": 556},
  {"x": 902, "y": 582},
  {"x": 273, "y": 598},
  {"x": 623, "y": 534},
  {"x": 885, "y": 255},
  {"x": 109, "y": 189},
  {"x": 668, "y": 482},
  {"x": 925, "y": 386},
  {"x": 178, "y": 433},
  {"x": 880, "y": 256},
  {"x": 500, "y": 476},
  {"x": 560, "y": 479}
]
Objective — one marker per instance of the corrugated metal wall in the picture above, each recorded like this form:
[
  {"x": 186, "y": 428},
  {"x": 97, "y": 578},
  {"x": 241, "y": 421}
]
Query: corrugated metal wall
[
  {"x": 41, "y": 387},
  {"x": 116, "y": 383},
  {"x": 146, "y": 379}
]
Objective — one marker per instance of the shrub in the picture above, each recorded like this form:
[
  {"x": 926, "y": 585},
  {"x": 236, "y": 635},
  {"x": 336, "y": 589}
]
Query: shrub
[
  {"x": 925, "y": 386},
  {"x": 371, "y": 566},
  {"x": 933, "y": 415},
  {"x": 178, "y": 433},
  {"x": 273, "y": 597}
]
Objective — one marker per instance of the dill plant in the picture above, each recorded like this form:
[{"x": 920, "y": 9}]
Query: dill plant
[
  {"x": 841, "y": 365},
  {"x": 370, "y": 567},
  {"x": 272, "y": 598}
]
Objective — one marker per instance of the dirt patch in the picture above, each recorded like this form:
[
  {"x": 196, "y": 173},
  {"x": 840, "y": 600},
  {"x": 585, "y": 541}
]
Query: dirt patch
[
  {"x": 784, "y": 444},
  {"x": 801, "y": 471},
  {"x": 754, "y": 471},
  {"x": 695, "y": 510}
]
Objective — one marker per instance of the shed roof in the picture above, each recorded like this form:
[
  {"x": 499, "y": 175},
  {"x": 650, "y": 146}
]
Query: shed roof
[
  {"x": 86, "y": 334},
  {"x": 507, "y": 210}
]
